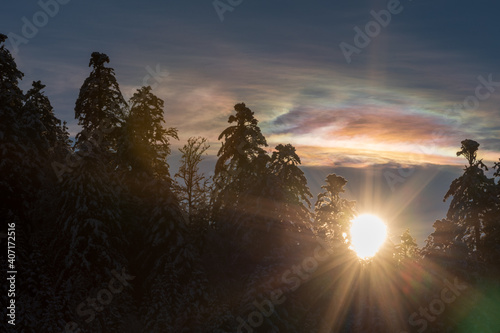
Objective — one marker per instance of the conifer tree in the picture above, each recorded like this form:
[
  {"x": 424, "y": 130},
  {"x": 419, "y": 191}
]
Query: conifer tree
[
  {"x": 175, "y": 290},
  {"x": 491, "y": 241},
  {"x": 473, "y": 194},
  {"x": 445, "y": 248},
  {"x": 90, "y": 245},
  {"x": 90, "y": 242},
  {"x": 54, "y": 134},
  {"x": 242, "y": 158},
  {"x": 26, "y": 152},
  {"x": 145, "y": 143},
  {"x": 14, "y": 152},
  {"x": 100, "y": 108},
  {"x": 143, "y": 147},
  {"x": 333, "y": 214},
  {"x": 294, "y": 209},
  {"x": 407, "y": 249}
]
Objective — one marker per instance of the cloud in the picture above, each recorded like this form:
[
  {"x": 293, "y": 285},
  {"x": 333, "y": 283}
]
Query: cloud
[{"x": 390, "y": 101}]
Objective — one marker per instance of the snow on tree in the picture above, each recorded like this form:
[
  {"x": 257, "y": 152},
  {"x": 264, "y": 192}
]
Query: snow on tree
[
  {"x": 90, "y": 245},
  {"x": 333, "y": 214},
  {"x": 491, "y": 238},
  {"x": 100, "y": 106},
  {"x": 294, "y": 209},
  {"x": 29, "y": 136},
  {"x": 175, "y": 291},
  {"x": 48, "y": 138},
  {"x": 21, "y": 161},
  {"x": 445, "y": 247},
  {"x": 144, "y": 143},
  {"x": 143, "y": 147},
  {"x": 15, "y": 184},
  {"x": 241, "y": 158},
  {"x": 473, "y": 195},
  {"x": 54, "y": 134}
]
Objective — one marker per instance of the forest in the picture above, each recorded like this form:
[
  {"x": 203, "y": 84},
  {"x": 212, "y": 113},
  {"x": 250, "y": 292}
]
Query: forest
[{"x": 109, "y": 239}]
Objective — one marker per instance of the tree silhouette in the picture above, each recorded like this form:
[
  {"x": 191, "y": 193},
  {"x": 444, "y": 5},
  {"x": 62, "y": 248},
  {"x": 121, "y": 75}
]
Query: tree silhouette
[
  {"x": 294, "y": 206},
  {"x": 407, "y": 249},
  {"x": 13, "y": 151},
  {"x": 145, "y": 143},
  {"x": 193, "y": 190},
  {"x": 473, "y": 194},
  {"x": 241, "y": 158},
  {"x": 54, "y": 136},
  {"x": 99, "y": 107},
  {"x": 25, "y": 176},
  {"x": 118, "y": 209},
  {"x": 333, "y": 214},
  {"x": 491, "y": 238},
  {"x": 91, "y": 242}
]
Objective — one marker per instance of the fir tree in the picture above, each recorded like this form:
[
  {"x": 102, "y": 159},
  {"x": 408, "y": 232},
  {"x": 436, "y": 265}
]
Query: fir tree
[
  {"x": 241, "y": 158},
  {"x": 407, "y": 250},
  {"x": 14, "y": 152},
  {"x": 100, "y": 107},
  {"x": 491, "y": 241},
  {"x": 26, "y": 151},
  {"x": 294, "y": 209},
  {"x": 445, "y": 248},
  {"x": 54, "y": 134},
  {"x": 175, "y": 294},
  {"x": 473, "y": 194},
  {"x": 90, "y": 246},
  {"x": 145, "y": 143},
  {"x": 333, "y": 214}
]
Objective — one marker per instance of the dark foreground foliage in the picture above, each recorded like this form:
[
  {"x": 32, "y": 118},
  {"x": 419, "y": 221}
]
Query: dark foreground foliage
[{"x": 107, "y": 241}]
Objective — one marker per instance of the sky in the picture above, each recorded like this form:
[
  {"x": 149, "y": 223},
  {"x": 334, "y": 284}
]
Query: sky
[{"x": 379, "y": 92}]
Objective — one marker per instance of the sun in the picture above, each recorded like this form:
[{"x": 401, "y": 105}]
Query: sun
[{"x": 368, "y": 233}]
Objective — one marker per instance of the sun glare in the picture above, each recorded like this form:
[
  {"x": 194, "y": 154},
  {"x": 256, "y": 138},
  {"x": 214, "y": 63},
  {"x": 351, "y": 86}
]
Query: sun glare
[{"x": 368, "y": 233}]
